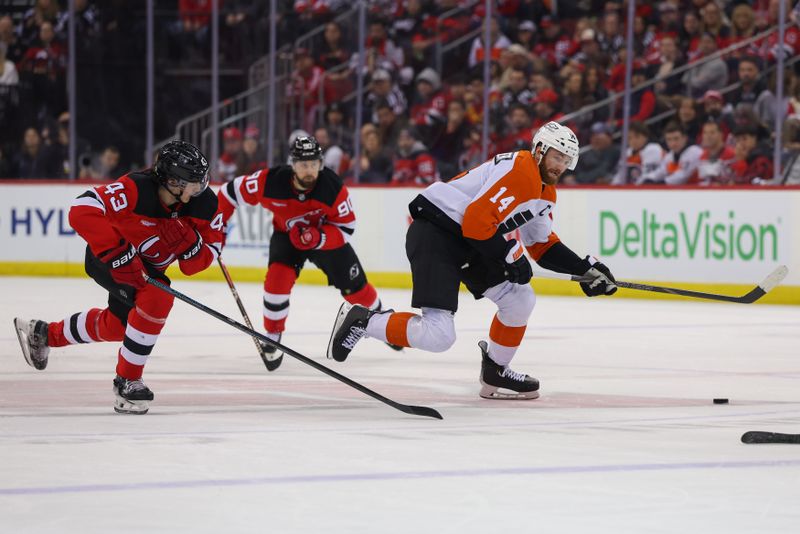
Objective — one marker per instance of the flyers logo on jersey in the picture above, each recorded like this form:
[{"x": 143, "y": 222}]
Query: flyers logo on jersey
[{"x": 515, "y": 222}]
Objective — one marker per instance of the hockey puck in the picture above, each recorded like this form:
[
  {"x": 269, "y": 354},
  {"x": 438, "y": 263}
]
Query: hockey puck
[{"x": 720, "y": 401}]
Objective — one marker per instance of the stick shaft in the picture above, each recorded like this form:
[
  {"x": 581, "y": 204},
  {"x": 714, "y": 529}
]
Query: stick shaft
[
  {"x": 238, "y": 300},
  {"x": 414, "y": 410}
]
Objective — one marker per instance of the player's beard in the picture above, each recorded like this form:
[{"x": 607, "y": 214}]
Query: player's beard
[
  {"x": 549, "y": 177},
  {"x": 304, "y": 183}
]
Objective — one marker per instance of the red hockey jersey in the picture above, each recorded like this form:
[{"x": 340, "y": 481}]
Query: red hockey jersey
[
  {"x": 327, "y": 206},
  {"x": 129, "y": 210}
]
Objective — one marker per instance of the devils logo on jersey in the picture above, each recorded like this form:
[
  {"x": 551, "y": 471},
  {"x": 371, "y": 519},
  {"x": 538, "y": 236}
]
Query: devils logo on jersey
[{"x": 155, "y": 252}]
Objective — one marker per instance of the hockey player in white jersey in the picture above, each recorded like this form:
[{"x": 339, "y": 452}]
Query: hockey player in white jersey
[{"x": 459, "y": 234}]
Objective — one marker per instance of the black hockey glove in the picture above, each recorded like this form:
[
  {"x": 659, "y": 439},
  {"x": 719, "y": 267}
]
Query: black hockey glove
[
  {"x": 602, "y": 281},
  {"x": 517, "y": 267}
]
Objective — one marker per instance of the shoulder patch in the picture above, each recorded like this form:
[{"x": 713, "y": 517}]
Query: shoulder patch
[
  {"x": 278, "y": 183},
  {"x": 328, "y": 187},
  {"x": 147, "y": 202},
  {"x": 203, "y": 207}
]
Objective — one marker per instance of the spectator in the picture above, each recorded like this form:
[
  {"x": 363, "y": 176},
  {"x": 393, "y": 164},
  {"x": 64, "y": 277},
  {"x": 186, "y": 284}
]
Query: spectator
[
  {"x": 376, "y": 163},
  {"x": 413, "y": 164},
  {"x": 714, "y": 167},
  {"x": 767, "y": 103},
  {"x": 519, "y": 132},
  {"x": 643, "y": 100},
  {"x": 752, "y": 160},
  {"x": 689, "y": 118},
  {"x": 428, "y": 110},
  {"x": 517, "y": 91},
  {"x": 554, "y": 46},
  {"x": 498, "y": 40},
  {"x": 30, "y": 28},
  {"x": 598, "y": 164},
  {"x": 312, "y": 13},
  {"x": 338, "y": 127},
  {"x": 590, "y": 52},
  {"x": 382, "y": 89},
  {"x": 189, "y": 34},
  {"x": 574, "y": 98},
  {"x": 689, "y": 37},
  {"x": 33, "y": 161},
  {"x": 381, "y": 52},
  {"x": 679, "y": 166},
  {"x": 239, "y": 30},
  {"x": 42, "y": 70},
  {"x": 57, "y": 141},
  {"x": 472, "y": 155},
  {"x": 333, "y": 156},
  {"x": 9, "y": 97},
  {"x": 526, "y": 33},
  {"x": 229, "y": 165},
  {"x": 669, "y": 22},
  {"x": 106, "y": 165},
  {"x": 751, "y": 83},
  {"x": 14, "y": 48},
  {"x": 707, "y": 73},
  {"x": 304, "y": 88},
  {"x": 669, "y": 59},
  {"x": 715, "y": 24},
  {"x": 611, "y": 37},
  {"x": 769, "y": 46},
  {"x": 333, "y": 50},
  {"x": 545, "y": 108},
  {"x": 643, "y": 156},
  {"x": 389, "y": 124},
  {"x": 450, "y": 142},
  {"x": 593, "y": 78},
  {"x": 743, "y": 27},
  {"x": 716, "y": 111},
  {"x": 253, "y": 157},
  {"x": 411, "y": 29}
]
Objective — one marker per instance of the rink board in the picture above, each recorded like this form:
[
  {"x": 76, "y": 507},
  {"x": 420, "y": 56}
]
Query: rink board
[{"x": 705, "y": 239}]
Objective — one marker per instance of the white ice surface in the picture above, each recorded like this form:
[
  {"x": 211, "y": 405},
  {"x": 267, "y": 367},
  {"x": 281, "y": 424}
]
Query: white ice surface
[{"x": 625, "y": 438}]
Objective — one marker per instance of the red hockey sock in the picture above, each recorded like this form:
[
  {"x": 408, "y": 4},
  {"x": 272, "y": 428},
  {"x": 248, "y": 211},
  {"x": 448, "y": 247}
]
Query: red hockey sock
[{"x": 366, "y": 296}]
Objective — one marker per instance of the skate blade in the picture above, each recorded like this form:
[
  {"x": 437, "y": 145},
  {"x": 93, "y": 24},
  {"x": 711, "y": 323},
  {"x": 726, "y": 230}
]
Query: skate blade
[
  {"x": 343, "y": 309},
  {"x": 131, "y": 407},
  {"x": 495, "y": 393},
  {"x": 25, "y": 345}
]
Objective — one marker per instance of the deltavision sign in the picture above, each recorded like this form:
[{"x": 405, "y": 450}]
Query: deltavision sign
[{"x": 688, "y": 235}]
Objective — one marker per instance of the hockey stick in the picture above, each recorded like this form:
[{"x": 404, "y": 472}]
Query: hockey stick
[
  {"x": 758, "y": 436},
  {"x": 774, "y": 278},
  {"x": 405, "y": 408},
  {"x": 267, "y": 362}
]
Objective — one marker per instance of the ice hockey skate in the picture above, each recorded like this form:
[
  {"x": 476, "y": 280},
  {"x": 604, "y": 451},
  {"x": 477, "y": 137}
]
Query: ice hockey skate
[
  {"x": 500, "y": 382},
  {"x": 131, "y": 396},
  {"x": 32, "y": 335},
  {"x": 272, "y": 356},
  {"x": 349, "y": 328}
]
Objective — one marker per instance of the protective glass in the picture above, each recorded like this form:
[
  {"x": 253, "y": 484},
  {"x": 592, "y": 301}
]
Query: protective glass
[{"x": 193, "y": 188}]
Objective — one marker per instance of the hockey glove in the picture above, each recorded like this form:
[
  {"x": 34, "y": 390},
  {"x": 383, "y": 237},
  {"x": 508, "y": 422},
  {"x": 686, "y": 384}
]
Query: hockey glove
[
  {"x": 602, "y": 281},
  {"x": 125, "y": 265},
  {"x": 517, "y": 267},
  {"x": 305, "y": 237},
  {"x": 181, "y": 238}
]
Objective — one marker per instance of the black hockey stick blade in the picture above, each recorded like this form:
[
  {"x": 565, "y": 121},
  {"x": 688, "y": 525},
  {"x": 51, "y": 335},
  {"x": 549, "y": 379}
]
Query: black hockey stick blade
[
  {"x": 413, "y": 410},
  {"x": 758, "y": 436}
]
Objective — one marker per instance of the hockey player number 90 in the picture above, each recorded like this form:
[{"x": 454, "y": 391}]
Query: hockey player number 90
[{"x": 345, "y": 207}]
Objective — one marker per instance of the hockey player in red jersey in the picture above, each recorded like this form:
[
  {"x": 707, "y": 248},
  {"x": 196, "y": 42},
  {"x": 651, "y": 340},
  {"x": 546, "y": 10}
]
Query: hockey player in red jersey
[
  {"x": 140, "y": 223},
  {"x": 313, "y": 219},
  {"x": 459, "y": 234}
]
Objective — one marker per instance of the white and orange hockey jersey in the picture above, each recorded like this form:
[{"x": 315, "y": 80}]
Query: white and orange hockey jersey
[
  {"x": 676, "y": 169},
  {"x": 501, "y": 195}
]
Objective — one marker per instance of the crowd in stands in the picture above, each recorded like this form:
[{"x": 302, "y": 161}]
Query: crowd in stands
[{"x": 697, "y": 116}]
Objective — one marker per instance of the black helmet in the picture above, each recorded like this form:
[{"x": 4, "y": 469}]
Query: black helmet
[
  {"x": 182, "y": 161},
  {"x": 305, "y": 148}
]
